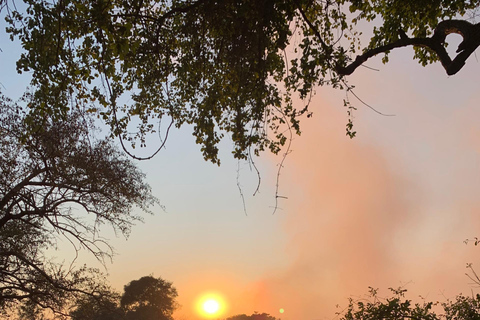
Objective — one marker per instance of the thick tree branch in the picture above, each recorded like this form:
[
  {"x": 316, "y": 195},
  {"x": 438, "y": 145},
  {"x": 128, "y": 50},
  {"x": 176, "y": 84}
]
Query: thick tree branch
[
  {"x": 471, "y": 40},
  {"x": 14, "y": 191}
]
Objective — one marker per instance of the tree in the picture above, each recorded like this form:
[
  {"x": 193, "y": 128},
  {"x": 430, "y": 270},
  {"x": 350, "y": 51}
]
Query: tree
[
  {"x": 229, "y": 67},
  {"x": 398, "y": 307},
  {"x": 104, "y": 308},
  {"x": 149, "y": 298},
  {"x": 255, "y": 316},
  {"x": 58, "y": 181}
]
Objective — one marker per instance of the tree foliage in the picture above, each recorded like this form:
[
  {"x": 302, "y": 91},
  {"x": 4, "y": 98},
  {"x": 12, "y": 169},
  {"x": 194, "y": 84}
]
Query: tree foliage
[
  {"x": 399, "y": 307},
  {"x": 255, "y": 316},
  {"x": 58, "y": 182},
  {"x": 97, "y": 308},
  {"x": 230, "y": 67},
  {"x": 147, "y": 298}
]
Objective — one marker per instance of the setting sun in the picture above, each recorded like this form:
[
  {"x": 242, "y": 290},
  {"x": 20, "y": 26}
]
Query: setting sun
[{"x": 211, "y": 305}]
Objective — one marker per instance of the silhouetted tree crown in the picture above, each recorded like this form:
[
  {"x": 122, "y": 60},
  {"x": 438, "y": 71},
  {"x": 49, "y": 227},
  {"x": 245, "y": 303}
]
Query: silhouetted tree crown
[
  {"x": 149, "y": 298},
  {"x": 229, "y": 67},
  {"x": 397, "y": 306},
  {"x": 255, "y": 316},
  {"x": 98, "y": 308}
]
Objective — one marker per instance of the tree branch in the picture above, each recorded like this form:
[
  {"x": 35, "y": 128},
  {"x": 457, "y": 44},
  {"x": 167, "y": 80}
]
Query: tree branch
[
  {"x": 14, "y": 191},
  {"x": 471, "y": 40},
  {"x": 325, "y": 47}
]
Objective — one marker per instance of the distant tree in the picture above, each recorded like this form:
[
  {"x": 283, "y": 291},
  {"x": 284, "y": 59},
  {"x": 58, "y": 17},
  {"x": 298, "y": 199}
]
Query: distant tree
[
  {"x": 58, "y": 181},
  {"x": 149, "y": 298},
  {"x": 398, "y": 307},
  {"x": 255, "y": 316},
  {"x": 224, "y": 67}
]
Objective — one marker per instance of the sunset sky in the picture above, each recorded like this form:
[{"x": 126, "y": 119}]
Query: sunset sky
[{"x": 391, "y": 207}]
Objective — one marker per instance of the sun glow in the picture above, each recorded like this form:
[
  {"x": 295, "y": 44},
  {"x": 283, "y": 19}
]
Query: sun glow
[{"x": 210, "y": 305}]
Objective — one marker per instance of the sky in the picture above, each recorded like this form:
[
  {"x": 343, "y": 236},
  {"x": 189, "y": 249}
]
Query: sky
[{"x": 390, "y": 208}]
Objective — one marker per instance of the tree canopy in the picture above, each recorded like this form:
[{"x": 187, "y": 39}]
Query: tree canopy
[
  {"x": 227, "y": 68},
  {"x": 255, "y": 316},
  {"x": 97, "y": 308},
  {"x": 57, "y": 181},
  {"x": 147, "y": 298},
  {"x": 398, "y": 306}
]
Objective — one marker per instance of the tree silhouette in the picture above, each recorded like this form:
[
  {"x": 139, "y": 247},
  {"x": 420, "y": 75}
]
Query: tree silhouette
[
  {"x": 255, "y": 316},
  {"x": 58, "y": 181},
  {"x": 149, "y": 298},
  {"x": 98, "y": 308},
  {"x": 399, "y": 307}
]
